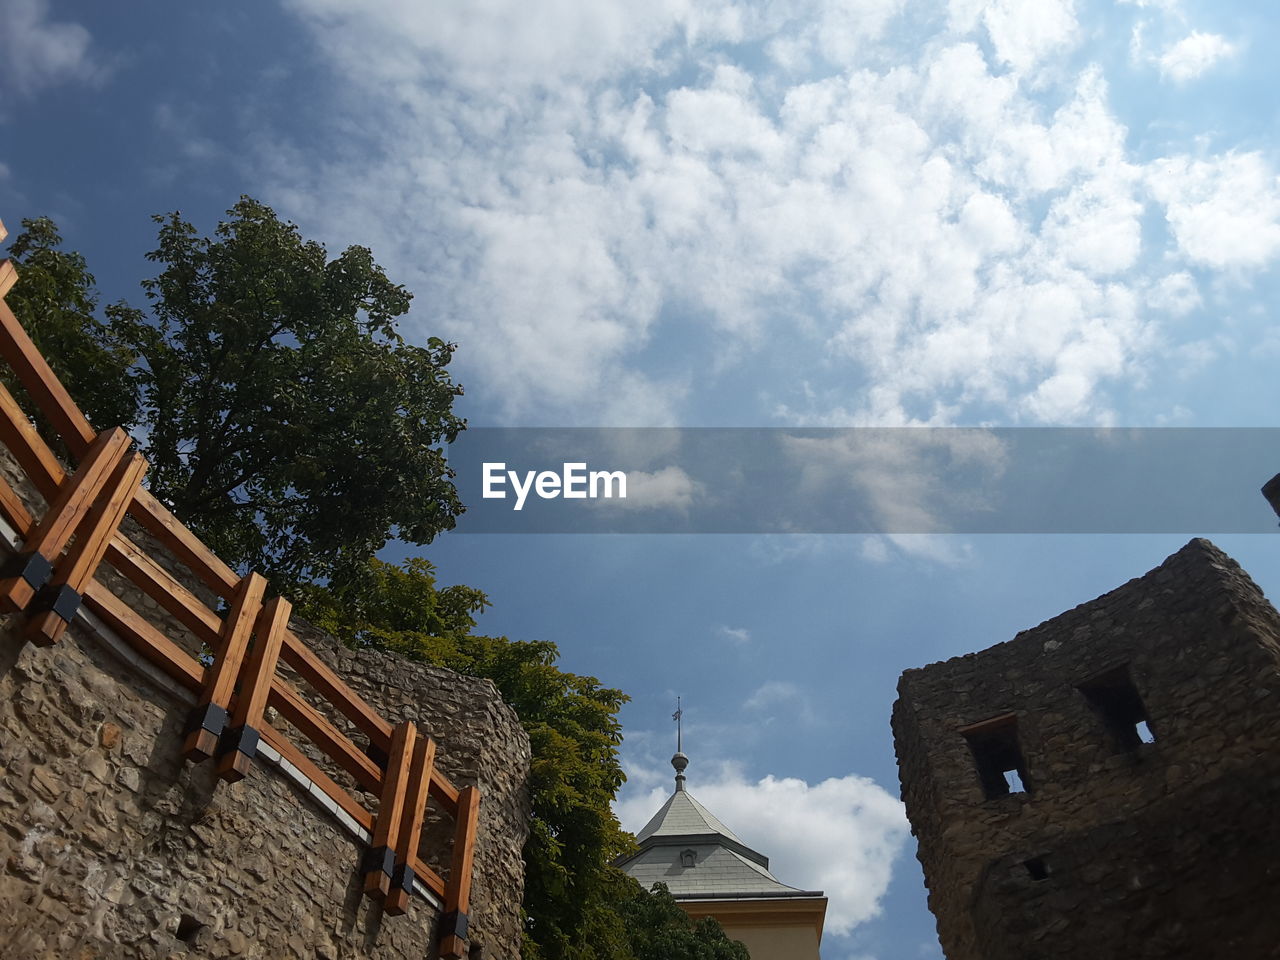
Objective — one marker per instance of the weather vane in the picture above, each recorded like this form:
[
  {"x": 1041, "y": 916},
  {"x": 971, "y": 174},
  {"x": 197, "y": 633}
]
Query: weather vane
[{"x": 677, "y": 717}]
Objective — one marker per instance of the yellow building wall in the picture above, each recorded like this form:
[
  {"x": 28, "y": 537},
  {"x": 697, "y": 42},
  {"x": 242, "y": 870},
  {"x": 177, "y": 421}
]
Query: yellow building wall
[
  {"x": 784, "y": 929},
  {"x": 776, "y": 943}
]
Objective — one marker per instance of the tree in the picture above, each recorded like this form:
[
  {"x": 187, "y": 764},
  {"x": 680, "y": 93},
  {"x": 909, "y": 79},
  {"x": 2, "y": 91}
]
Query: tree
[
  {"x": 285, "y": 418},
  {"x": 289, "y": 423},
  {"x": 56, "y": 301},
  {"x": 659, "y": 930}
]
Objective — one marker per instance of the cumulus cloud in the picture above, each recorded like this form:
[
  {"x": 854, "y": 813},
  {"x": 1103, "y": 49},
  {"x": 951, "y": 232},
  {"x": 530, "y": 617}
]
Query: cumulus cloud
[
  {"x": 1224, "y": 211},
  {"x": 1193, "y": 55},
  {"x": 944, "y": 232},
  {"x": 740, "y": 636},
  {"x": 841, "y": 835},
  {"x": 37, "y": 51}
]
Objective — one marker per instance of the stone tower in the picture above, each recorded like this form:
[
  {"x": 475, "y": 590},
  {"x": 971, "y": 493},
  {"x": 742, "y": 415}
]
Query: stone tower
[{"x": 1106, "y": 784}]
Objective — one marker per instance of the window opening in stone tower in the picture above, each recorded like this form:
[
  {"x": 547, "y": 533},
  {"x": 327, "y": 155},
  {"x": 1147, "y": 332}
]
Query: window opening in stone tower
[
  {"x": 998, "y": 757},
  {"x": 1116, "y": 700}
]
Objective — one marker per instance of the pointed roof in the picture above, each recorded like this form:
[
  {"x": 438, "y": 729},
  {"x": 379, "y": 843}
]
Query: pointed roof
[
  {"x": 686, "y": 847},
  {"x": 682, "y": 815}
]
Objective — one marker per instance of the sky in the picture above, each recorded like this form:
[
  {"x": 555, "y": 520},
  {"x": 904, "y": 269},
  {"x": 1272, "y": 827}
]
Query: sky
[{"x": 797, "y": 213}]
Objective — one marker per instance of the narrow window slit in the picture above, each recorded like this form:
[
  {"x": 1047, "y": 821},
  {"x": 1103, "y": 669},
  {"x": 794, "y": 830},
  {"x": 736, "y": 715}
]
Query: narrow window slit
[
  {"x": 1037, "y": 868},
  {"x": 998, "y": 757},
  {"x": 1117, "y": 702}
]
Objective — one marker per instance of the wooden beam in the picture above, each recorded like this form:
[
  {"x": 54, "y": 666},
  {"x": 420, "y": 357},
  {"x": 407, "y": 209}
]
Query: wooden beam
[
  {"x": 143, "y": 637},
  {"x": 73, "y": 502},
  {"x": 161, "y": 586},
  {"x": 313, "y": 725},
  {"x": 8, "y": 276},
  {"x": 28, "y": 447},
  {"x": 73, "y": 573},
  {"x": 457, "y": 899},
  {"x": 445, "y": 792},
  {"x": 37, "y": 378},
  {"x": 330, "y": 686},
  {"x": 380, "y": 859},
  {"x": 14, "y": 510},
  {"x": 415, "y": 810},
  {"x": 283, "y": 746},
  {"x": 208, "y": 719},
  {"x": 158, "y": 521},
  {"x": 240, "y": 743},
  {"x": 423, "y": 873}
]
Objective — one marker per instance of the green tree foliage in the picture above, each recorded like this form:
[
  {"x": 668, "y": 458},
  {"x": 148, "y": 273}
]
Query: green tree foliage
[
  {"x": 657, "y": 929},
  {"x": 56, "y": 301},
  {"x": 289, "y": 422},
  {"x": 571, "y": 721}
]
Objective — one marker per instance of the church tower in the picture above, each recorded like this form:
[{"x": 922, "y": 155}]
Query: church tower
[{"x": 711, "y": 873}]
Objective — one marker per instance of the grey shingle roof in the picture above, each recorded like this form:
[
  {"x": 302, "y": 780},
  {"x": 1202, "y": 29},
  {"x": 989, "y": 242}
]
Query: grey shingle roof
[
  {"x": 682, "y": 815},
  {"x": 722, "y": 864}
]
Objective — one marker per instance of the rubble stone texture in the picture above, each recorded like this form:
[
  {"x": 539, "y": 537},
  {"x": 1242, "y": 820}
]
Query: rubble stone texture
[
  {"x": 112, "y": 846},
  {"x": 1118, "y": 847}
]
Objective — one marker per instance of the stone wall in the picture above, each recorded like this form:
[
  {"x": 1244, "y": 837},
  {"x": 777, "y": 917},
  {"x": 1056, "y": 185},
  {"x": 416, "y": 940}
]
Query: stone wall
[
  {"x": 112, "y": 846},
  {"x": 1118, "y": 848}
]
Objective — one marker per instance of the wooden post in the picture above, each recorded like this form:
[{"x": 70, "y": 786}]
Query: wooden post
[
  {"x": 209, "y": 718},
  {"x": 240, "y": 742},
  {"x": 415, "y": 811},
  {"x": 457, "y": 900},
  {"x": 73, "y": 574},
  {"x": 31, "y": 569},
  {"x": 380, "y": 859}
]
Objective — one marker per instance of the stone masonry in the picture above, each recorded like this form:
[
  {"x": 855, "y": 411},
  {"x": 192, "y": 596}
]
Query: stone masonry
[
  {"x": 1051, "y": 824},
  {"x": 112, "y": 846}
]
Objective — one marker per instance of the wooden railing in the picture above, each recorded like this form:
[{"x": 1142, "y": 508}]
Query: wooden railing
[{"x": 55, "y": 572}]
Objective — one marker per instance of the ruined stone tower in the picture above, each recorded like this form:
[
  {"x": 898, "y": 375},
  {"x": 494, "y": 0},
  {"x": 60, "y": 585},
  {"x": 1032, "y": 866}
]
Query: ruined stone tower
[{"x": 1106, "y": 784}]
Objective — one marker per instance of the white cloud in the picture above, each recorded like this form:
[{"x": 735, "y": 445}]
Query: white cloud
[
  {"x": 780, "y": 696},
  {"x": 740, "y": 636},
  {"x": 667, "y": 489},
  {"x": 572, "y": 189},
  {"x": 1223, "y": 211},
  {"x": 38, "y": 52},
  {"x": 1193, "y": 55},
  {"x": 1175, "y": 294},
  {"x": 841, "y": 835},
  {"x": 1025, "y": 32}
]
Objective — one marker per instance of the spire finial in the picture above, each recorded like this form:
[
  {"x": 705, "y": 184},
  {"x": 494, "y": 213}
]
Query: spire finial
[{"x": 679, "y": 761}]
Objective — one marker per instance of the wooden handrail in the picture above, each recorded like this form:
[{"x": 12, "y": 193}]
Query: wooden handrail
[
  {"x": 331, "y": 741},
  {"x": 332, "y": 687},
  {"x": 165, "y": 589},
  {"x": 38, "y": 379},
  {"x": 85, "y": 509}
]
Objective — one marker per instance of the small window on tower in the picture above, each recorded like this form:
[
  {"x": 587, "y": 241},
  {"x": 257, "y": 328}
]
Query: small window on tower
[
  {"x": 688, "y": 858},
  {"x": 998, "y": 756},
  {"x": 1115, "y": 699}
]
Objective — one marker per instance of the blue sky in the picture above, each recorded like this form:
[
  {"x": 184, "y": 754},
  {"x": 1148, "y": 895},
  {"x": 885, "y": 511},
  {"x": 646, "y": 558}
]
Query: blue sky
[{"x": 724, "y": 213}]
